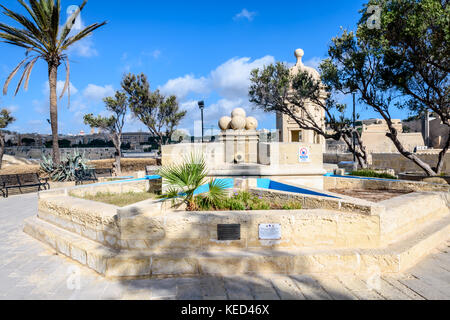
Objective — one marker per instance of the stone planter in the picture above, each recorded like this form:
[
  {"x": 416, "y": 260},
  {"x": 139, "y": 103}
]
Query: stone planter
[{"x": 412, "y": 176}]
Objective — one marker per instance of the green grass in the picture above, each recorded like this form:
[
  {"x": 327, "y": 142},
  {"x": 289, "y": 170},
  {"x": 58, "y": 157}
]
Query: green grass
[
  {"x": 372, "y": 174},
  {"x": 119, "y": 199},
  {"x": 245, "y": 201}
]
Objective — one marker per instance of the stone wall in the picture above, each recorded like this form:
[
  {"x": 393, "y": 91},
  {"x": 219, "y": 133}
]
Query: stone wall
[
  {"x": 401, "y": 164},
  {"x": 379, "y": 142},
  {"x": 36, "y": 153}
]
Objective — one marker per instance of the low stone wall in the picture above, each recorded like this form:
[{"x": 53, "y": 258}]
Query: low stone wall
[
  {"x": 37, "y": 153},
  {"x": 151, "y": 239},
  {"x": 379, "y": 184}
]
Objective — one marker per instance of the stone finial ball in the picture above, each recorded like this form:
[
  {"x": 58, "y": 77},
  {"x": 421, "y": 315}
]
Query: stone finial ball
[
  {"x": 239, "y": 112},
  {"x": 238, "y": 123},
  {"x": 252, "y": 124},
  {"x": 299, "y": 53},
  {"x": 225, "y": 123}
]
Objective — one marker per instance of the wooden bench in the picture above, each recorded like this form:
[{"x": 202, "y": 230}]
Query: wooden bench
[
  {"x": 19, "y": 181},
  {"x": 85, "y": 176}
]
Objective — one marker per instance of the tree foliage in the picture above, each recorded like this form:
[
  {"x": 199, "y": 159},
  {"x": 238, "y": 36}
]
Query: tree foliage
[
  {"x": 5, "y": 120},
  {"x": 304, "y": 99},
  {"x": 118, "y": 106},
  {"x": 160, "y": 114},
  {"x": 399, "y": 65}
]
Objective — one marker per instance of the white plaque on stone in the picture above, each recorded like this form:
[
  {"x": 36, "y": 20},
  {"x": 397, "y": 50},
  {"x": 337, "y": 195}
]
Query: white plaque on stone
[{"x": 270, "y": 231}]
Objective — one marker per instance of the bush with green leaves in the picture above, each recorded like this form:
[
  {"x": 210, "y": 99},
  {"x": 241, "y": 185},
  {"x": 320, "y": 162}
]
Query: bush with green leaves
[
  {"x": 245, "y": 201},
  {"x": 185, "y": 178},
  {"x": 71, "y": 166},
  {"x": 373, "y": 174}
]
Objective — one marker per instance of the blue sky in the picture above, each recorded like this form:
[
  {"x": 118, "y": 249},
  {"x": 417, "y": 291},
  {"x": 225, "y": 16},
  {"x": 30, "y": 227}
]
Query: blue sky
[{"x": 194, "y": 49}]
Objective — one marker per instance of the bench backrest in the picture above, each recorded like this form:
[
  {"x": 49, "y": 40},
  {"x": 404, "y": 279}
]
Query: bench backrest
[
  {"x": 9, "y": 180},
  {"x": 87, "y": 174},
  {"x": 103, "y": 172},
  {"x": 29, "y": 178}
]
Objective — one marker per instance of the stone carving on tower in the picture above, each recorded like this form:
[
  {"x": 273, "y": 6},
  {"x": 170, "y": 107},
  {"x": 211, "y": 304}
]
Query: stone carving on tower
[{"x": 288, "y": 128}]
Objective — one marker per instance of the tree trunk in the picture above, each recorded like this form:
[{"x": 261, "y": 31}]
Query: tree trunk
[
  {"x": 361, "y": 156},
  {"x": 118, "y": 154},
  {"x": 442, "y": 154},
  {"x": 2, "y": 148},
  {"x": 52, "y": 79},
  {"x": 411, "y": 156}
]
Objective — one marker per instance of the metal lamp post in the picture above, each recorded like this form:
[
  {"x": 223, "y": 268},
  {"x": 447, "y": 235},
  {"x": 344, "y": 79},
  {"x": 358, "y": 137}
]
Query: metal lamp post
[
  {"x": 201, "y": 105},
  {"x": 354, "y": 127}
]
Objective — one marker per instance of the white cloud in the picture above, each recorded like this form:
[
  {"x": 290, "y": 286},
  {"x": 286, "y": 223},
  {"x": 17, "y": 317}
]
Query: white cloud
[
  {"x": 95, "y": 93},
  {"x": 232, "y": 78},
  {"x": 313, "y": 62},
  {"x": 12, "y": 108},
  {"x": 245, "y": 14},
  {"x": 84, "y": 48},
  {"x": 59, "y": 88},
  {"x": 156, "y": 54},
  {"x": 230, "y": 81},
  {"x": 182, "y": 86}
]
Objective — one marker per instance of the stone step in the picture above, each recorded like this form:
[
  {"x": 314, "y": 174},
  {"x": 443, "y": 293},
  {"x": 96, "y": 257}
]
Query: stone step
[{"x": 136, "y": 264}]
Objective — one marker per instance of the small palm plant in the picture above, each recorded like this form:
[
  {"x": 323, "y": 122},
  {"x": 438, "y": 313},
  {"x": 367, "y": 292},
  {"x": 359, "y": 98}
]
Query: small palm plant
[{"x": 186, "y": 179}]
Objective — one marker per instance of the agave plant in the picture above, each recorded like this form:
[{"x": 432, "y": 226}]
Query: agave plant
[
  {"x": 186, "y": 178},
  {"x": 68, "y": 169}
]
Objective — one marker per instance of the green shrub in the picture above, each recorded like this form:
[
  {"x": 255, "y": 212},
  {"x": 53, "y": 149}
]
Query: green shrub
[
  {"x": 71, "y": 165},
  {"x": 293, "y": 205},
  {"x": 372, "y": 174}
]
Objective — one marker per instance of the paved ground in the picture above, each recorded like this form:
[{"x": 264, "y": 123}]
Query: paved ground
[{"x": 29, "y": 270}]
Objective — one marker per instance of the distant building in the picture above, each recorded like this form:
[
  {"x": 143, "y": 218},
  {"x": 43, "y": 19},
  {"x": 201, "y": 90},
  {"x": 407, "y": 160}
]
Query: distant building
[
  {"x": 374, "y": 137},
  {"x": 436, "y": 133}
]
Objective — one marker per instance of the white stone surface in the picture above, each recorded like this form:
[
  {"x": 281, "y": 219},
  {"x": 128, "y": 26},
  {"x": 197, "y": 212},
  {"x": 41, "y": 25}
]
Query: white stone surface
[
  {"x": 238, "y": 123},
  {"x": 252, "y": 123}
]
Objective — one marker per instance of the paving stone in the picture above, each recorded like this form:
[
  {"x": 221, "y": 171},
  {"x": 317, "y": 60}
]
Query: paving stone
[
  {"x": 286, "y": 289},
  {"x": 424, "y": 289},
  {"x": 336, "y": 289},
  {"x": 403, "y": 288},
  {"x": 311, "y": 288}
]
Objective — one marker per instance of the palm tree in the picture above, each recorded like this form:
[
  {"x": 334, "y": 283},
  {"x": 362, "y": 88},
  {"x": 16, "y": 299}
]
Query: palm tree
[
  {"x": 44, "y": 38},
  {"x": 186, "y": 179}
]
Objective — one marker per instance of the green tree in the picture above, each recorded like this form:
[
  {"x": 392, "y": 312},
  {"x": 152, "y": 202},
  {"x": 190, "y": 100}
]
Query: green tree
[
  {"x": 385, "y": 75},
  {"x": 44, "y": 38},
  {"x": 160, "y": 114},
  {"x": 275, "y": 89},
  {"x": 5, "y": 120},
  {"x": 414, "y": 43},
  {"x": 118, "y": 105}
]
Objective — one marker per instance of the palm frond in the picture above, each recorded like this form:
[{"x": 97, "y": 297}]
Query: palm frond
[
  {"x": 81, "y": 35},
  {"x": 11, "y": 76},
  {"x": 217, "y": 192},
  {"x": 70, "y": 22},
  {"x": 67, "y": 83},
  {"x": 21, "y": 78},
  {"x": 30, "y": 68}
]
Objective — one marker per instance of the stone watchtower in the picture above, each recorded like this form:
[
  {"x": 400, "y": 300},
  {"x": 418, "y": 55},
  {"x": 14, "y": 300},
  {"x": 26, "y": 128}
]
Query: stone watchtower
[{"x": 288, "y": 128}]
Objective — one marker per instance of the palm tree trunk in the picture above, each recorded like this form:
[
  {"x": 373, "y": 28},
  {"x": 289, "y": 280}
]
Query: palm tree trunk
[
  {"x": 2, "y": 148},
  {"x": 52, "y": 79}
]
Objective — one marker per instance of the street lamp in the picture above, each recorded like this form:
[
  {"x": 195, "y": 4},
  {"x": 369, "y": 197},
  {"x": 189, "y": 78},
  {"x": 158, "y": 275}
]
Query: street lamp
[{"x": 201, "y": 105}]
